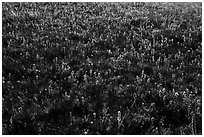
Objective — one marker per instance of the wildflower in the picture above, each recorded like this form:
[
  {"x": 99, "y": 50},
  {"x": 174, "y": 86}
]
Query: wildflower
[
  {"x": 148, "y": 80},
  {"x": 94, "y": 114},
  {"x": 119, "y": 116},
  {"x": 176, "y": 94},
  {"x": 85, "y": 78},
  {"x": 199, "y": 102},
  {"x": 160, "y": 93},
  {"x": 86, "y": 131},
  {"x": 152, "y": 119}
]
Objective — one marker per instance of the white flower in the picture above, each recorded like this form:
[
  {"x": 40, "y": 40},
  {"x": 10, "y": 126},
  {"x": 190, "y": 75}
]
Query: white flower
[
  {"x": 94, "y": 114},
  {"x": 119, "y": 116},
  {"x": 176, "y": 94}
]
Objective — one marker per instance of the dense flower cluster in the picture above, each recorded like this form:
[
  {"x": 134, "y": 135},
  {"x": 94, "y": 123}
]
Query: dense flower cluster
[{"x": 102, "y": 68}]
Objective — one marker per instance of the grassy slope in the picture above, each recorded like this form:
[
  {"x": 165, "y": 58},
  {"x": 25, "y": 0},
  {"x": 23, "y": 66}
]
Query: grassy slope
[{"x": 73, "y": 67}]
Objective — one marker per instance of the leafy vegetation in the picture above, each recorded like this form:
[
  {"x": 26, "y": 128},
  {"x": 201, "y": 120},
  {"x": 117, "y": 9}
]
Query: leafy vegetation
[{"x": 102, "y": 68}]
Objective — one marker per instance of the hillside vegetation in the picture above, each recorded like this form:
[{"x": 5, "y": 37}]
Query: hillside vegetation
[{"x": 102, "y": 68}]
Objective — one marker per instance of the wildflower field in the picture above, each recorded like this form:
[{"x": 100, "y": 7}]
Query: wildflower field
[{"x": 101, "y": 68}]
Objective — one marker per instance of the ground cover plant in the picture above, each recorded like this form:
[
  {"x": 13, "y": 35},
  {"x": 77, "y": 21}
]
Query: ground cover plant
[{"x": 101, "y": 68}]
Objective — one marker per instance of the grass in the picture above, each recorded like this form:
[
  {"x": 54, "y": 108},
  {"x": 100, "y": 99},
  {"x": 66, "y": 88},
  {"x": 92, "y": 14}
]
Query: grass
[{"x": 102, "y": 68}]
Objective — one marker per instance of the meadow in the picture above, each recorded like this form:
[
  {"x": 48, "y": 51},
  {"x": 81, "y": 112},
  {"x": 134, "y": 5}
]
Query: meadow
[{"x": 101, "y": 68}]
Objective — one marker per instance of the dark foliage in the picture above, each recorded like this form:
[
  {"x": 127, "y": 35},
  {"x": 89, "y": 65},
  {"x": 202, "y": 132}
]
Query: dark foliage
[{"x": 101, "y": 68}]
